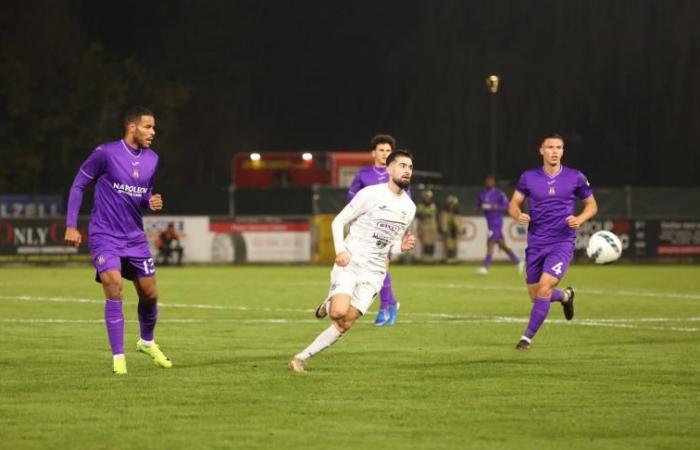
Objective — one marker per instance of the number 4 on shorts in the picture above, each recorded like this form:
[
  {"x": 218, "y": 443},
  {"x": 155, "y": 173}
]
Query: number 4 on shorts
[{"x": 557, "y": 268}]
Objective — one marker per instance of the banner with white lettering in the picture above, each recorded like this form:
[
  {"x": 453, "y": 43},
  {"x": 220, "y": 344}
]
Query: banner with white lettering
[
  {"x": 31, "y": 206},
  {"x": 39, "y": 240}
]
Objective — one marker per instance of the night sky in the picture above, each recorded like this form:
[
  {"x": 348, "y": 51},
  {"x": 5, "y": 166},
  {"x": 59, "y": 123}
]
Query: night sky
[{"x": 618, "y": 78}]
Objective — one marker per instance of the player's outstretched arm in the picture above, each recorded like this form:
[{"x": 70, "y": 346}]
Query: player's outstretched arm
[
  {"x": 590, "y": 209},
  {"x": 82, "y": 179},
  {"x": 155, "y": 203},
  {"x": 514, "y": 208}
]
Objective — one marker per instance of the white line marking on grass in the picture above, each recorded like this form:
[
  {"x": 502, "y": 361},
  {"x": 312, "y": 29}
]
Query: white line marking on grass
[
  {"x": 26, "y": 298},
  {"x": 91, "y": 321},
  {"x": 508, "y": 287},
  {"x": 521, "y": 288},
  {"x": 496, "y": 320},
  {"x": 447, "y": 318}
]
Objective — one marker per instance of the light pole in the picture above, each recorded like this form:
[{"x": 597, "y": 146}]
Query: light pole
[{"x": 492, "y": 84}]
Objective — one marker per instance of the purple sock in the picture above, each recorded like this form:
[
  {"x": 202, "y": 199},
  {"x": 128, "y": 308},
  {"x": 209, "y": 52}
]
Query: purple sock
[
  {"x": 557, "y": 295},
  {"x": 537, "y": 315},
  {"x": 513, "y": 257},
  {"x": 114, "y": 320},
  {"x": 386, "y": 295},
  {"x": 487, "y": 261},
  {"x": 148, "y": 315}
]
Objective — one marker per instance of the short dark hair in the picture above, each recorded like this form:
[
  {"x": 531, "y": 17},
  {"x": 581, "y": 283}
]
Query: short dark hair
[
  {"x": 134, "y": 114},
  {"x": 382, "y": 139},
  {"x": 552, "y": 136},
  {"x": 396, "y": 153}
]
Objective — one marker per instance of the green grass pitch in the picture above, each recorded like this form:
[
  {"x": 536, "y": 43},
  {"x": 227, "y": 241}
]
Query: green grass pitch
[{"x": 625, "y": 373}]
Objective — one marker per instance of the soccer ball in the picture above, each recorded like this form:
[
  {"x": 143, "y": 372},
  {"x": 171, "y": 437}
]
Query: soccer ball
[{"x": 604, "y": 247}]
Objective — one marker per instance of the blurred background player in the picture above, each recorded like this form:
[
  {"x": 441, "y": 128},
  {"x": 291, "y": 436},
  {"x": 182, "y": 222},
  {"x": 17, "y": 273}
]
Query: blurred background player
[
  {"x": 168, "y": 243},
  {"x": 493, "y": 202},
  {"x": 123, "y": 173},
  {"x": 380, "y": 216},
  {"x": 552, "y": 191},
  {"x": 451, "y": 227},
  {"x": 426, "y": 216},
  {"x": 382, "y": 145}
]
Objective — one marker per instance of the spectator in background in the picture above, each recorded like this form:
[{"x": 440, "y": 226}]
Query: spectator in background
[
  {"x": 426, "y": 213},
  {"x": 168, "y": 243},
  {"x": 451, "y": 227}
]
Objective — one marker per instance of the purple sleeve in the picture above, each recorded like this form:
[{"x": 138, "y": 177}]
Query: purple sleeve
[
  {"x": 502, "y": 202},
  {"x": 147, "y": 196},
  {"x": 91, "y": 169},
  {"x": 583, "y": 188},
  {"x": 522, "y": 185},
  {"x": 355, "y": 187}
]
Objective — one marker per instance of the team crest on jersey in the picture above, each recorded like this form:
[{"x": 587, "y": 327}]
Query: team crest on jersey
[
  {"x": 552, "y": 191},
  {"x": 100, "y": 260}
]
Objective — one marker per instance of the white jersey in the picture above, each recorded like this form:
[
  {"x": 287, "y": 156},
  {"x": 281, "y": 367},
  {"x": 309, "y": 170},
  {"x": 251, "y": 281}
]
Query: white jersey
[{"x": 380, "y": 222}]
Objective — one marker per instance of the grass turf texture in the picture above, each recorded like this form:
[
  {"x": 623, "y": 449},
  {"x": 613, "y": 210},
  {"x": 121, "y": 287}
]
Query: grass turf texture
[{"x": 623, "y": 374}]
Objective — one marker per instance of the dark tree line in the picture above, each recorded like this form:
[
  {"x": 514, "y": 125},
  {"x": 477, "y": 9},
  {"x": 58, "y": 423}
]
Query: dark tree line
[{"x": 616, "y": 77}]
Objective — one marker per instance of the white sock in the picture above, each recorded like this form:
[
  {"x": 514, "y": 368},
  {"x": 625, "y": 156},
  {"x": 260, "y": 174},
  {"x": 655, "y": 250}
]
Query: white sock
[
  {"x": 328, "y": 337},
  {"x": 147, "y": 343}
]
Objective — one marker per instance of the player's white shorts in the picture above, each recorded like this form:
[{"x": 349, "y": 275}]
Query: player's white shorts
[{"x": 361, "y": 285}]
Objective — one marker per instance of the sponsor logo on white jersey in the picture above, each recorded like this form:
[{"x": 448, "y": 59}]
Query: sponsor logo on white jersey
[{"x": 393, "y": 227}]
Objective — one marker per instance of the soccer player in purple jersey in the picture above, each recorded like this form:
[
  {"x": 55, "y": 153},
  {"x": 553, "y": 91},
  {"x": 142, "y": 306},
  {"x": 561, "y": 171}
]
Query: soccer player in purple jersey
[
  {"x": 493, "y": 202},
  {"x": 552, "y": 191},
  {"x": 382, "y": 145},
  {"x": 123, "y": 173}
]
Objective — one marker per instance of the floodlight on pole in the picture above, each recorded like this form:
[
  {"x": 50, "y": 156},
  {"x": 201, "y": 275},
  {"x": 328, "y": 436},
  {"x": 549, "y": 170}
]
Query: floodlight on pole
[{"x": 492, "y": 82}]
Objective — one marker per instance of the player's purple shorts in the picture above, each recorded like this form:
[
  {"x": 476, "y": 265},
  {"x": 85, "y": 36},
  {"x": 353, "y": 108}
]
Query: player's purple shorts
[
  {"x": 132, "y": 258},
  {"x": 553, "y": 259},
  {"x": 495, "y": 233}
]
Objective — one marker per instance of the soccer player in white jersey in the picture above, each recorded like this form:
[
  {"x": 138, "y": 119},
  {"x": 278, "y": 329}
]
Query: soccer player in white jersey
[{"x": 380, "y": 216}]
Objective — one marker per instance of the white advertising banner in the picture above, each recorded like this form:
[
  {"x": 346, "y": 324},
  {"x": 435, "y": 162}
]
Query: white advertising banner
[
  {"x": 261, "y": 241},
  {"x": 193, "y": 233}
]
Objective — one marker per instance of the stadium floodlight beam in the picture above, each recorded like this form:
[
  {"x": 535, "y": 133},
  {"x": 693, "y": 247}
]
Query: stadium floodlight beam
[
  {"x": 307, "y": 156},
  {"x": 492, "y": 82},
  {"x": 255, "y": 156}
]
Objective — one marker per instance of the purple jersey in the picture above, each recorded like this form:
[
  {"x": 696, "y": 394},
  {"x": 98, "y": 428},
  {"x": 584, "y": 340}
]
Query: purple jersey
[
  {"x": 493, "y": 203},
  {"x": 552, "y": 199},
  {"x": 367, "y": 176},
  {"x": 123, "y": 179}
]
